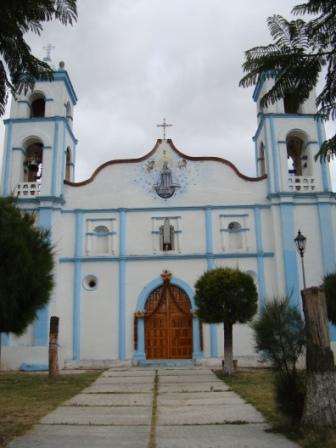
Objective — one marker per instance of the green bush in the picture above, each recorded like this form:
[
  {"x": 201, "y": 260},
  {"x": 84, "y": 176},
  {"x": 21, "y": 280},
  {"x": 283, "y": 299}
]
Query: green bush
[
  {"x": 280, "y": 336},
  {"x": 329, "y": 283}
]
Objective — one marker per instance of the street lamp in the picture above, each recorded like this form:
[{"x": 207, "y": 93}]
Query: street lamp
[{"x": 300, "y": 242}]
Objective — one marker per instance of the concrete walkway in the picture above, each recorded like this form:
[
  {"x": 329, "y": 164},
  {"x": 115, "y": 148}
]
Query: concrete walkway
[{"x": 148, "y": 408}]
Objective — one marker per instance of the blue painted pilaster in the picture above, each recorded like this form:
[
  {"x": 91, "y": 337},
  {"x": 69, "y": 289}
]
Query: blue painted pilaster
[
  {"x": 267, "y": 158},
  {"x": 211, "y": 265},
  {"x": 55, "y": 159},
  {"x": 77, "y": 285},
  {"x": 140, "y": 353},
  {"x": 260, "y": 258},
  {"x": 197, "y": 353},
  {"x": 4, "y": 339},
  {"x": 63, "y": 159},
  {"x": 324, "y": 165},
  {"x": 40, "y": 327},
  {"x": 7, "y": 161},
  {"x": 327, "y": 248},
  {"x": 275, "y": 156},
  {"x": 290, "y": 257},
  {"x": 122, "y": 284}
]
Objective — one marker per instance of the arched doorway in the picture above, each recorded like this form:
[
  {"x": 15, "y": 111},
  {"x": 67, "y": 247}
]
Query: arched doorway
[{"x": 168, "y": 324}]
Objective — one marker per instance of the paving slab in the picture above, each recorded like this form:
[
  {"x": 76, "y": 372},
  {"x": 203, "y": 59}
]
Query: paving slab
[
  {"x": 211, "y": 386},
  {"x": 110, "y": 400},
  {"x": 199, "y": 398},
  {"x": 189, "y": 379},
  {"x": 222, "y": 436},
  {"x": 180, "y": 372},
  {"x": 99, "y": 415},
  {"x": 119, "y": 388},
  {"x": 129, "y": 373},
  {"x": 205, "y": 415},
  {"x": 66, "y": 436},
  {"x": 125, "y": 380}
]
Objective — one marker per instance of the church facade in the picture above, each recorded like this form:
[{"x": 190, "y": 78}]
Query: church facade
[{"x": 131, "y": 241}]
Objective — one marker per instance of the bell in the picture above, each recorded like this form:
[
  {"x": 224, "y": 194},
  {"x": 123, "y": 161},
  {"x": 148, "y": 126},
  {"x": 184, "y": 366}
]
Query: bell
[{"x": 33, "y": 164}]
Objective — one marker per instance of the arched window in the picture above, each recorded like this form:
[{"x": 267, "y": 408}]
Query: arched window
[
  {"x": 37, "y": 105},
  {"x": 100, "y": 240},
  {"x": 261, "y": 160},
  {"x": 167, "y": 233},
  {"x": 235, "y": 236},
  {"x": 295, "y": 155},
  {"x": 68, "y": 164},
  {"x": 33, "y": 162}
]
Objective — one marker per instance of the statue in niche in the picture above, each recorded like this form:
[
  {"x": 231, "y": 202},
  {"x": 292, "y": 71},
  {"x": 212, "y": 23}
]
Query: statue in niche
[{"x": 165, "y": 186}]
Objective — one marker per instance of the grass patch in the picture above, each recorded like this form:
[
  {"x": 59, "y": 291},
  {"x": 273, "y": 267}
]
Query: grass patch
[
  {"x": 25, "y": 398},
  {"x": 257, "y": 388}
]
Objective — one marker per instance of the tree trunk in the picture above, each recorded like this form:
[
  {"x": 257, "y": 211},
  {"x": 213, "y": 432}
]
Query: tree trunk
[
  {"x": 320, "y": 401},
  {"x": 228, "y": 364},
  {"x": 53, "y": 347}
]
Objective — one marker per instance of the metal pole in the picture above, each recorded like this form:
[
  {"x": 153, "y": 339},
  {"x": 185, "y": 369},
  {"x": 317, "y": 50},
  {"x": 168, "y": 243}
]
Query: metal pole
[{"x": 303, "y": 273}]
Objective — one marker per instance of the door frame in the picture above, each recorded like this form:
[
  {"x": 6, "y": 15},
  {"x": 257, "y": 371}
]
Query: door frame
[{"x": 139, "y": 354}]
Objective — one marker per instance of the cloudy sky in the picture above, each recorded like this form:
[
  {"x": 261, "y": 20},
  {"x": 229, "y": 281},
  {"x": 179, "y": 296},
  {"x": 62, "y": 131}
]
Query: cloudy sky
[{"x": 133, "y": 62}]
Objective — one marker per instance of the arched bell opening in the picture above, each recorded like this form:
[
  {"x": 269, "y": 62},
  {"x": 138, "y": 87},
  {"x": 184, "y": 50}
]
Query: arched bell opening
[
  {"x": 298, "y": 160},
  {"x": 261, "y": 160},
  {"x": 37, "y": 105},
  {"x": 68, "y": 164},
  {"x": 32, "y": 165}
]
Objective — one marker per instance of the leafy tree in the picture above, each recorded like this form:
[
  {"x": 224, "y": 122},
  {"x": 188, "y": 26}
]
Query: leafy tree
[
  {"x": 16, "y": 18},
  {"x": 329, "y": 283},
  {"x": 279, "y": 333},
  {"x": 226, "y": 295},
  {"x": 296, "y": 58},
  {"x": 26, "y": 268}
]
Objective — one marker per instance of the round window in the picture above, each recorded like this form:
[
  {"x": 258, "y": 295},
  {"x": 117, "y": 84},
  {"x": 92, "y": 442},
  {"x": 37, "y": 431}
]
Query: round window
[{"x": 90, "y": 282}]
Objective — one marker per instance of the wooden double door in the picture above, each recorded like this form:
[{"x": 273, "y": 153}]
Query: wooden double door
[{"x": 168, "y": 324}]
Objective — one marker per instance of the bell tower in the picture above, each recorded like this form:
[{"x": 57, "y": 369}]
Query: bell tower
[
  {"x": 287, "y": 138},
  {"x": 40, "y": 146},
  {"x": 299, "y": 195}
]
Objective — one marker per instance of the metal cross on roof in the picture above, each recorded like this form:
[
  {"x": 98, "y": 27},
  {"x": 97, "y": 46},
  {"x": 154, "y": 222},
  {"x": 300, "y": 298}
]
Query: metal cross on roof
[
  {"x": 164, "y": 125},
  {"x": 48, "y": 49}
]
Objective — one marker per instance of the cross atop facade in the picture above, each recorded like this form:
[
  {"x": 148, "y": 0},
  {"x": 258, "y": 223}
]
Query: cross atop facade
[
  {"x": 164, "y": 125},
  {"x": 48, "y": 49}
]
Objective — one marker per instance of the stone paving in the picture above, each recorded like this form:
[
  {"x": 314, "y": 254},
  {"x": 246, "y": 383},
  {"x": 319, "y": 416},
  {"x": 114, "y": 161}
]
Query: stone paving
[{"x": 154, "y": 408}]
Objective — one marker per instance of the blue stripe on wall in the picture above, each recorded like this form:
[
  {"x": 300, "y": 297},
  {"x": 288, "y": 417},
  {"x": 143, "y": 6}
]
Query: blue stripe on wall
[
  {"x": 260, "y": 258},
  {"x": 77, "y": 286},
  {"x": 327, "y": 238},
  {"x": 211, "y": 265},
  {"x": 324, "y": 166},
  {"x": 288, "y": 234},
  {"x": 55, "y": 157},
  {"x": 327, "y": 248},
  {"x": 40, "y": 327},
  {"x": 4, "y": 339},
  {"x": 7, "y": 161},
  {"x": 122, "y": 284},
  {"x": 63, "y": 160},
  {"x": 274, "y": 156}
]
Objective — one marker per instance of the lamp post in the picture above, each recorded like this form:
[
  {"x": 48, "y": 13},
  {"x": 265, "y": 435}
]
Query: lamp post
[{"x": 300, "y": 242}]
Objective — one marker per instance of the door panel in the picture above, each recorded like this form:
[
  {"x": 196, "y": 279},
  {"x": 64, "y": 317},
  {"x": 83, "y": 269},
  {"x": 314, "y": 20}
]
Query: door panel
[{"x": 168, "y": 324}]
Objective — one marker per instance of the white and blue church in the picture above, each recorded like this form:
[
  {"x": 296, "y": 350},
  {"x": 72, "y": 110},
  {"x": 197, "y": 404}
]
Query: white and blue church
[{"x": 131, "y": 240}]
